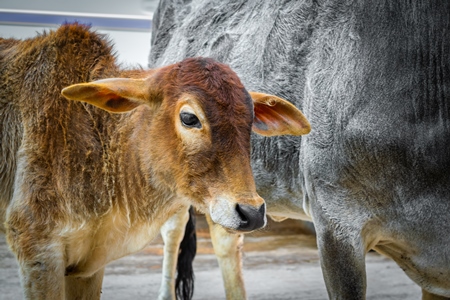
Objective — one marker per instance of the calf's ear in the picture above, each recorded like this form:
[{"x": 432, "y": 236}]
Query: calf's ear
[
  {"x": 116, "y": 95},
  {"x": 276, "y": 116}
]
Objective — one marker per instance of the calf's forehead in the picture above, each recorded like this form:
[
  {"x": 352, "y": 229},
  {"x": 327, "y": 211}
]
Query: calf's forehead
[{"x": 214, "y": 84}]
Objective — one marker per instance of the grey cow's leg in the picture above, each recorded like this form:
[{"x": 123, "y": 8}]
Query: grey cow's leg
[
  {"x": 428, "y": 296},
  {"x": 84, "y": 288},
  {"x": 342, "y": 259}
]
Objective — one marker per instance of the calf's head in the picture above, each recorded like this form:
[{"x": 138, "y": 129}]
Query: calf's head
[{"x": 198, "y": 139}]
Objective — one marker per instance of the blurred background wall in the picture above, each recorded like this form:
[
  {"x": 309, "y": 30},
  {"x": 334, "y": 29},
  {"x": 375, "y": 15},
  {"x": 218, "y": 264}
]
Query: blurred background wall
[{"x": 126, "y": 22}]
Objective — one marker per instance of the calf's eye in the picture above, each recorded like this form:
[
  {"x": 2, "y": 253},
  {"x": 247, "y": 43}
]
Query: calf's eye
[{"x": 190, "y": 120}]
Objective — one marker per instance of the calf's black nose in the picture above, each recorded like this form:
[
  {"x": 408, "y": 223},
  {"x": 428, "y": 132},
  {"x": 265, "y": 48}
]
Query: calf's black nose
[{"x": 252, "y": 218}]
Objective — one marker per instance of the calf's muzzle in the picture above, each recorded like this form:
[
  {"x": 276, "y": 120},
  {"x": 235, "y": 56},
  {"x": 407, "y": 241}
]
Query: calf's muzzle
[{"x": 251, "y": 218}]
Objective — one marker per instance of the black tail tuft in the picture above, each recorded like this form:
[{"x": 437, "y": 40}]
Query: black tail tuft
[{"x": 184, "y": 284}]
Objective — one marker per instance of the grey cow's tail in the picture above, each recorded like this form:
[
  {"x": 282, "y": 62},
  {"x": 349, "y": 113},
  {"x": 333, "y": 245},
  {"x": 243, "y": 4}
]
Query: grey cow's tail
[{"x": 184, "y": 284}]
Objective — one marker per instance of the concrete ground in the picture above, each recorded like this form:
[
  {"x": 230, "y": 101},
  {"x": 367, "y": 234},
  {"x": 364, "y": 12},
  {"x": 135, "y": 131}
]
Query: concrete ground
[{"x": 280, "y": 262}]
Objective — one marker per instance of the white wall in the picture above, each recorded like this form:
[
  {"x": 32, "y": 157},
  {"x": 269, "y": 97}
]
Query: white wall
[
  {"x": 132, "y": 47},
  {"x": 124, "y": 7}
]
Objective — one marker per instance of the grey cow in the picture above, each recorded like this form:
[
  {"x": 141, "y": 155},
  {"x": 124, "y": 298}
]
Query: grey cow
[{"x": 373, "y": 77}]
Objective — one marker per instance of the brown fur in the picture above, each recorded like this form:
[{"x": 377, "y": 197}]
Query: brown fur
[
  {"x": 77, "y": 163},
  {"x": 80, "y": 186}
]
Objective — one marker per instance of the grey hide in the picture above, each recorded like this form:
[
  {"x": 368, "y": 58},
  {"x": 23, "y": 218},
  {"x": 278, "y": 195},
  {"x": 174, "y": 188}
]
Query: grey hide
[{"x": 373, "y": 78}]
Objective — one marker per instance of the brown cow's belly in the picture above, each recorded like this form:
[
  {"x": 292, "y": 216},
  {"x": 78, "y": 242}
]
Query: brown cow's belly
[{"x": 90, "y": 246}]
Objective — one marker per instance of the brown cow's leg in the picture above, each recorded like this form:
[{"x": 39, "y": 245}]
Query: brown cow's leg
[
  {"x": 227, "y": 248},
  {"x": 84, "y": 288},
  {"x": 172, "y": 233},
  {"x": 428, "y": 296},
  {"x": 42, "y": 280},
  {"x": 41, "y": 262}
]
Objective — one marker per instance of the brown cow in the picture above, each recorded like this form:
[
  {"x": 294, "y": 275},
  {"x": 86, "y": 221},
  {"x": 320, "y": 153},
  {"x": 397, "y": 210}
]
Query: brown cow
[{"x": 80, "y": 186}]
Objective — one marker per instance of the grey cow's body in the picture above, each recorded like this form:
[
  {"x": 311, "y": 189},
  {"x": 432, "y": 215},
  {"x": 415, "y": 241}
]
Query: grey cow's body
[{"x": 373, "y": 77}]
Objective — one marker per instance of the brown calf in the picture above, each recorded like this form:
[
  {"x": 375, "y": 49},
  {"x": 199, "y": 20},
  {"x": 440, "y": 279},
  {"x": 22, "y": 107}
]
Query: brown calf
[{"x": 80, "y": 186}]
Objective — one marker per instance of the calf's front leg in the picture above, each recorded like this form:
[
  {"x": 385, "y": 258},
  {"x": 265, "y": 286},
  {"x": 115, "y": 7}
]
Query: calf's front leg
[
  {"x": 84, "y": 288},
  {"x": 228, "y": 250},
  {"x": 172, "y": 233},
  {"x": 41, "y": 265}
]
